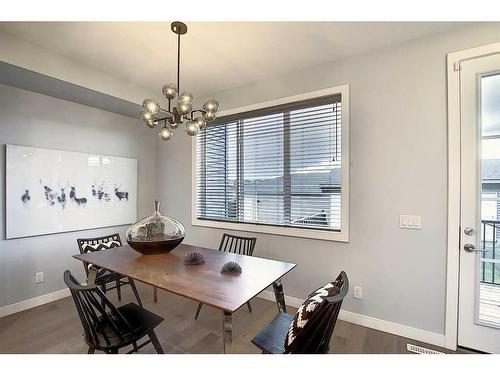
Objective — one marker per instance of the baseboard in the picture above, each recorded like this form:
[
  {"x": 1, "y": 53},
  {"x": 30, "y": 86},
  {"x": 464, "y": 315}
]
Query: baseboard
[
  {"x": 33, "y": 302},
  {"x": 374, "y": 323},
  {"x": 393, "y": 328}
]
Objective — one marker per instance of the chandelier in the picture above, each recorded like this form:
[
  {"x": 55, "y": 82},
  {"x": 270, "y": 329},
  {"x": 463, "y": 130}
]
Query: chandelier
[{"x": 183, "y": 112}]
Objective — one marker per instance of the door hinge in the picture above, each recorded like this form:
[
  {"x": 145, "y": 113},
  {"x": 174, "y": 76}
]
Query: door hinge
[{"x": 457, "y": 66}]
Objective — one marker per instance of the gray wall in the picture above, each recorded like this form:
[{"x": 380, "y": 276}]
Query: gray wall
[
  {"x": 32, "y": 119},
  {"x": 398, "y": 166}
]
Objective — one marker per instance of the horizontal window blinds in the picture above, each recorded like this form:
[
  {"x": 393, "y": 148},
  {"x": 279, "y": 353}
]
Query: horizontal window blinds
[{"x": 275, "y": 166}]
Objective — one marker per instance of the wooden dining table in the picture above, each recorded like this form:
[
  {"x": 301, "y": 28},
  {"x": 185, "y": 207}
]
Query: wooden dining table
[{"x": 202, "y": 283}]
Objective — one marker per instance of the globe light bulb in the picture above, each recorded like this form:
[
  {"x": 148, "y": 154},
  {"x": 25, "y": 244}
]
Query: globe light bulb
[
  {"x": 147, "y": 116},
  {"x": 169, "y": 90},
  {"x": 183, "y": 107},
  {"x": 151, "y": 105},
  {"x": 200, "y": 121},
  {"x": 192, "y": 128},
  {"x": 211, "y": 105},
  {"x": 209, "y": 116},
  {"x": 165, "y": 133},
  {"x": 186, "y": 97}
]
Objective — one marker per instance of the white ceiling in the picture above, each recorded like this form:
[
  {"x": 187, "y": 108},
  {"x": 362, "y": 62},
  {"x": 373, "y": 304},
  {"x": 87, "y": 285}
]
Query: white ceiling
[{"x": 215, "y": 55}]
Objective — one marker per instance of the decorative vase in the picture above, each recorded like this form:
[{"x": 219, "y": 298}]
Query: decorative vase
[{"x": 155, "y": 234}]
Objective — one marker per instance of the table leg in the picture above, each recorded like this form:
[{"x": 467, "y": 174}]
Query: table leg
[
  {"x": 279, "y": 295},
  {"x": 228, "y": 332},
  {"x": 91, "y": 276}
]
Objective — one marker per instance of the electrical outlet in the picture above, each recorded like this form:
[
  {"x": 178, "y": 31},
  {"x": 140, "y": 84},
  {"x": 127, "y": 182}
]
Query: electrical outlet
[
  {"x": 39, "y": 277},
  {"x": 358, "y": 292}
]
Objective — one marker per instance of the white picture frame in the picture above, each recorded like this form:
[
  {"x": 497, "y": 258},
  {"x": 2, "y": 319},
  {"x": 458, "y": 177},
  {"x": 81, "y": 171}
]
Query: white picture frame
[{"x": 53, "y": 191}]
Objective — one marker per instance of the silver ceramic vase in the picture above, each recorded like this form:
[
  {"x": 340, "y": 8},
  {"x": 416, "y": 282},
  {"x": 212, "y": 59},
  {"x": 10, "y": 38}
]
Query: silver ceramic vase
[{"x": 156, "y": 233}]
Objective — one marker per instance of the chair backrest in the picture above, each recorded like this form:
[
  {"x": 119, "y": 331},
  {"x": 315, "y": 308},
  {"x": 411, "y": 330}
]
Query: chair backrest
[
  {"x": 317, "y": 340},
  {"x": 101, "y": 328},
  {"x": 236, "y": 244},
  {"x": 86, "y": 245}
]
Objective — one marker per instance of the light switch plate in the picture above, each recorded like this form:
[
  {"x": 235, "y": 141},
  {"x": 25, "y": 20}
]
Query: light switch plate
[
  {"x": 39, "y": 277},
  {"x": 410, "y": 221}
]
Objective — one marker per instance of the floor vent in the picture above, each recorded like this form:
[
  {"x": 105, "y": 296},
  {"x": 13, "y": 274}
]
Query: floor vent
[{"x": 420, "y": 350}]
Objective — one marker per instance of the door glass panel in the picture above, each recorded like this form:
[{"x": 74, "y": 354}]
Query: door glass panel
[{"x": 489, "y": 261}]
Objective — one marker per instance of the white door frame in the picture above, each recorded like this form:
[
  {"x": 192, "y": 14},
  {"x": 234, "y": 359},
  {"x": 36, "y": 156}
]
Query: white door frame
[{"x": 452, "y": 269}]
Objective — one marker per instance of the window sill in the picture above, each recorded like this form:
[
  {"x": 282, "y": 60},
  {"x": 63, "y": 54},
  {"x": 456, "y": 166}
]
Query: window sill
[{"x": 341, "y": 236}]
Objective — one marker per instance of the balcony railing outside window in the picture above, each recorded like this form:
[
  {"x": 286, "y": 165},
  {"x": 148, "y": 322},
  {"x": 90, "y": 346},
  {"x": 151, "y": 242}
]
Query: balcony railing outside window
[{"x": 490, "y": 259}]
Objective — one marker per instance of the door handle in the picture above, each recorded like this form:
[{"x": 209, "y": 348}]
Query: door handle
[{"x": 471, "y": 249}]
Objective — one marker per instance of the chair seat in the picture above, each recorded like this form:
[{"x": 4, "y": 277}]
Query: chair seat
[
  {"x": 108, "y": 277},
  {"x": 139, "y": 317},
  {"x": 141, "y": 320},
  {"x": 272, "y": 338}
]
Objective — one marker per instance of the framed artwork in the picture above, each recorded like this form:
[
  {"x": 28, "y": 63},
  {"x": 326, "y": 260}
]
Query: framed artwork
[{"x": 53, "y": 191}]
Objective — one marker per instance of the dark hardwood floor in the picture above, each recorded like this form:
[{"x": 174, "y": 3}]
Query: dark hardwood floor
[{"x": 55, "y": 328}]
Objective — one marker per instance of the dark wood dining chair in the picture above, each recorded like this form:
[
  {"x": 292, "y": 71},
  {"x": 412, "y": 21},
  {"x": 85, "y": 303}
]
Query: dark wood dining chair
[
  {"x": 108, "y": 328},
  {"x": 237, "y": 245},
  {"x": 317, "y": 328},
  {"x": 105, "y": 277}
]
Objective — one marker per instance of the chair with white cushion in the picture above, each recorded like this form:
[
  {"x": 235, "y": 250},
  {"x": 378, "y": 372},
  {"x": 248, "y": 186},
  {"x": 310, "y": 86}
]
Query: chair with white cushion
[
  {"x": 310, "y": 330},
  {"x": 105, "y": 277}
]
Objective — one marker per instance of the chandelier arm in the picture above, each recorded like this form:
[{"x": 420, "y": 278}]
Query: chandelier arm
[
  {"x": 169, "y": 111},
  {"x": 198, "y": 110},
  {"x": 163, "y": 119},
  {"x": 172, "y": 114},
  {"x": 191, "y": 114}
]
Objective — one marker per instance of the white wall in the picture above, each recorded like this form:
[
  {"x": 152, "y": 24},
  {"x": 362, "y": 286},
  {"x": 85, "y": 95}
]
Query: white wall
[
  {"x": 398, "y": 166},
  {"x": 32, "y": 119}
]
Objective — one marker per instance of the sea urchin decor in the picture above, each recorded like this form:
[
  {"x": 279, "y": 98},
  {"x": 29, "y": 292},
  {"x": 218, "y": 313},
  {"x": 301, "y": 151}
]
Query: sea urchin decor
[
  {"x": 194, "y": 258},
  {"x": 231, "y": 267}
]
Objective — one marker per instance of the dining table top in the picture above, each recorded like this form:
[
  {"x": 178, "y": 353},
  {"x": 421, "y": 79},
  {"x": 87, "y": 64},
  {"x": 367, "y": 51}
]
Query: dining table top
[{"x": 203, "y": 283}]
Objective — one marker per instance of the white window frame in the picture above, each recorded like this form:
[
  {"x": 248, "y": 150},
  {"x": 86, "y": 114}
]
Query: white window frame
[{"x": 329, "y": 235}]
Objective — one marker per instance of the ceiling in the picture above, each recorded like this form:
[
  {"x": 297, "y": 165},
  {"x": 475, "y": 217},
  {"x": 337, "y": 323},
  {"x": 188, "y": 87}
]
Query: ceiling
[{"x": 216, "y": 56}]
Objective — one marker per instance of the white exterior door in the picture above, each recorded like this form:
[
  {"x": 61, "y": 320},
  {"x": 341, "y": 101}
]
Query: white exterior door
[{"x": 479, "y": 285}]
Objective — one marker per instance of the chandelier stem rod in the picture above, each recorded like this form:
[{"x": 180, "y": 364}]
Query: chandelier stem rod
[{"x": 178, "y": 62}]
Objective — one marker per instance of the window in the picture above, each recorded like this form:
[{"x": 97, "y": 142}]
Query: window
[{"x": 279, "y": 167}]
